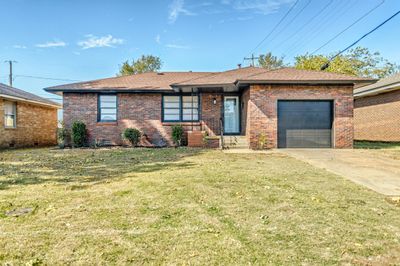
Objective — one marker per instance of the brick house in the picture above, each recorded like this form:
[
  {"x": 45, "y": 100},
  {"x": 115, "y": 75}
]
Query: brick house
[
  {"x": 26, "y": 119},
  {"x": 377, "y": 110},
  {"x": 287, "y": 107}
]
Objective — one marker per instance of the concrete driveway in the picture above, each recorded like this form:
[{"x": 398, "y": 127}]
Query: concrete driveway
[{"x": 379, "y": 173}]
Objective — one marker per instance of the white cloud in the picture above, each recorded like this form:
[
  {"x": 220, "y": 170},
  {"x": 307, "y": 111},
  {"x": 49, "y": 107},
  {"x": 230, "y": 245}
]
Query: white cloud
[
  {"x": 158, "y": 39},
  {"x": 177, "y": 46},
  {"x": 104, "y": 41},
  {"x": 18, "y": 46},
  {"x": 51, "y": 44},
  {"x": 175, "y": 9},
  {"x": 258, "y": 6}
]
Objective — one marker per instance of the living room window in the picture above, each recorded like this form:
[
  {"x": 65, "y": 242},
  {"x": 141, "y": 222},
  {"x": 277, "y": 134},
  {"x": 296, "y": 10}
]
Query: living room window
[
  {"x": 180, "y": 108},
  {"x": 10, "y": 114},
  {"x": 107, "y": 108}
]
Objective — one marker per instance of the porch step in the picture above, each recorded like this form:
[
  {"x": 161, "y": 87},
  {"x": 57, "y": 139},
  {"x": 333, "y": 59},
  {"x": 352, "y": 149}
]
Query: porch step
[{"x": 236, "y": 142}]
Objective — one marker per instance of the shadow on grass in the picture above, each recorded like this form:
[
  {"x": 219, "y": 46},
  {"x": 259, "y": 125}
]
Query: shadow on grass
[
  {"x": 376, "y": 145},
  {"x": 86, "y": 166}
]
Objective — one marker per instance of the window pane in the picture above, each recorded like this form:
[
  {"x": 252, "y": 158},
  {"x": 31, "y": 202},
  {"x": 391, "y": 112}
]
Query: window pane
[
  {"x": 9, "y": 108},
  {"x": 108, "y": 117},
  {"x": 171, "y": 117},
  {"x": 171, "y": 111},
  {"x": 108, "y": 98},
  {"x": 9, "y": 121},
  {"x": 108, "y": 111},
  {"x": 171, "y": 105},
  {"x": 188, "y": 99},
  {"x": 189, "y": 111},
  {"x": 174, "y": 99},
  {"x": 189, "y": 117},
  {"x": 108, "y": 104}
]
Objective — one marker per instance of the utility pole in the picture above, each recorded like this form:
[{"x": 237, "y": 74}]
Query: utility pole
[
  {"x": 252, "y": 58},
  {"x": 10, "y": 77}
]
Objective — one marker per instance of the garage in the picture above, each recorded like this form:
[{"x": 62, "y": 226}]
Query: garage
[{"x": 305, "y": 124}]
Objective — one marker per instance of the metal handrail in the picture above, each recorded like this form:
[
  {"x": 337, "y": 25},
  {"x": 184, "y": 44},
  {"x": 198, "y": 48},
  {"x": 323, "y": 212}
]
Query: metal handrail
[{"x": 221, "y": 132}]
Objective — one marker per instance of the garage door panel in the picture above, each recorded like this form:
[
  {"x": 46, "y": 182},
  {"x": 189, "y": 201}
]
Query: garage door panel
[{"x": 303, "y": 124}]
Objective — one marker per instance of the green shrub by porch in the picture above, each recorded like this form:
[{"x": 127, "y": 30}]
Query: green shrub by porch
[{"x": 177, "y": 134}]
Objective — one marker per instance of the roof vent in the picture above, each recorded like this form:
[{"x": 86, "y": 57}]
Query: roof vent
[
  {"x": 239, "y": 66},
  {"x": 160, "y": 73}
]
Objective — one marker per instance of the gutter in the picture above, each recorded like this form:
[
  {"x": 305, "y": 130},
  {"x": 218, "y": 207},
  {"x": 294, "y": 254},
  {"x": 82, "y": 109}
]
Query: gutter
[
  {"x": 55, "y": 105},
  {"x": 377, "y": 90}
]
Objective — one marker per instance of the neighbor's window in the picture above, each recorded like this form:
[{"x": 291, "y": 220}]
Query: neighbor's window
[
  {"x": 10, "y": 114},
  {"x": 178, "y": 108},
  {"x": 108, "y": 108}
]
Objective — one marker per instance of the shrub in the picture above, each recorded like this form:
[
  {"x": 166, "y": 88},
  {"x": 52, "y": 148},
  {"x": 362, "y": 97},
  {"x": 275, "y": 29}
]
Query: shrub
[
  {"x": 79, "y": 134},
  {"x": 177, "y": 134},
  {"x": 62, "y": 134},
  {"x": 133, "y": 135},
  {"x": 262, "y": 141}
]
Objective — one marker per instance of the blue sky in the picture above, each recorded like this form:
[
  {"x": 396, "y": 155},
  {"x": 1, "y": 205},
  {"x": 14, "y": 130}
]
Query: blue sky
[{"x": 84, "y": 40}]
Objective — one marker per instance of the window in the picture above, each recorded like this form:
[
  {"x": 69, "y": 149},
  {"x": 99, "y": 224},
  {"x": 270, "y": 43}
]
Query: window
[
  {"x": 178, "y": 108},
  {"x": 107, "y": 108},
  {"x": 10, "y": 114}
]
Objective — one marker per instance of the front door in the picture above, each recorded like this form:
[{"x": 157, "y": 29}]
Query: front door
[{"x": 231, "y": 115}]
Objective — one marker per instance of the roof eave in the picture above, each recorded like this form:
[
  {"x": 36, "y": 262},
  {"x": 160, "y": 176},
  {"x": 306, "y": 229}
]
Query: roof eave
[
  {"x": 377, "y": 90},
  {"x": 303, "y": 81},
  {"x": 9, "y": 97}
]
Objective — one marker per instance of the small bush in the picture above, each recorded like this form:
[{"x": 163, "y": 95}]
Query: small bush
[
  {"x": 177, "y": 134},
  {"x": 62, "y": 135},
  {"x": 79, "y": 134},
  {"x": 132, "y": 135},
  {"x": 262, "y": 141}
]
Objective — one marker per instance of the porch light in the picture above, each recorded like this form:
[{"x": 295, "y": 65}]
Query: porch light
[{"x": 214, "y": 101}]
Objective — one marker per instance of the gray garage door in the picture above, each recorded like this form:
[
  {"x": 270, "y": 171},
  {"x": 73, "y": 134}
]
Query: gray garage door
[{"x": 305, "y": 124}]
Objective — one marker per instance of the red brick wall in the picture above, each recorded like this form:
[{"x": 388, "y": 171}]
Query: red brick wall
[
  {"x": 377, "y": 118},
  {"x": 262, "y": 110},
  {"x": 142, "y": 111},
  {"x": 211, "y": 113},
  {"x": 245, "y": 114},
  {"x": 36, "y": 126}
]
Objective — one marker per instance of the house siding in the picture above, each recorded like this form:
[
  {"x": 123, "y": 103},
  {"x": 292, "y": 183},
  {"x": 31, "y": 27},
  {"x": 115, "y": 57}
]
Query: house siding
[
  {"x": 36, "y": 126},
  {"x": 376, "y": 118},
  {"x": 262, "y": 117}
]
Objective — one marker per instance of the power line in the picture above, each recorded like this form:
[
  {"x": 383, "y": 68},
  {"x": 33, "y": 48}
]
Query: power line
[
  {"x": 312, "y": 33},
  {"x": 348, "y": 27},
  {"x": 291, "y": 21},
  {"x": 46, "y": 78},
  {"x": 325, "y": 66},
  {"x": 305, "y": 25},
  {"x": 276, "y": 26}
]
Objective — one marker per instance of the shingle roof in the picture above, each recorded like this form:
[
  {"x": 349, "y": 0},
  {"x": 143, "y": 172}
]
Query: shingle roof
[
  {"x": 393, "y": 82},
  {"x": 7, "y": 91},
  {"x": 153, "y": 81},
  {"x": 165, "y": 81}
]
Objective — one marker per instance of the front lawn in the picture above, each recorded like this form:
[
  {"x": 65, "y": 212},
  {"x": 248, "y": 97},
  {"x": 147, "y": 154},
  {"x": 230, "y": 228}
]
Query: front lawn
[{"x": 186, "y": 206}]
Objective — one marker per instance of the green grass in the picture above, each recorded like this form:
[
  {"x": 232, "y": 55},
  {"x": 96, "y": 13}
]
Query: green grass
[
  {"x": 187, "y": 206},
  {"x": 376, "y": 145}
]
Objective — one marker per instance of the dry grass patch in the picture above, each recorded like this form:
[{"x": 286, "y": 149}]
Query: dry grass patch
[{"x": 186, "y": 206}]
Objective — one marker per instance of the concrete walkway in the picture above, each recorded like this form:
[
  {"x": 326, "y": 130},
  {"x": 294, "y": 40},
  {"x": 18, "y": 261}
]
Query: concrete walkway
[{"x": 379, "y": 173}]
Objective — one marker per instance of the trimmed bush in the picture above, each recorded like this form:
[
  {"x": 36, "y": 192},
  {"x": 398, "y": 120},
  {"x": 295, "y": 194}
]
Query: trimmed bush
[
  {"x": 62, "y": 134},
  {"x": 132, "y": 135},
  {"x": 79, "y": 134},
  {"x": 177, "y": 134}
]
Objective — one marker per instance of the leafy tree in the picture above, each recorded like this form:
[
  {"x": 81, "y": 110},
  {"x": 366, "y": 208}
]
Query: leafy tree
[
  {"x": 146, "y": 63},
  {"x": 357, "y": 62},
  {"x": 270, "y": 61}
]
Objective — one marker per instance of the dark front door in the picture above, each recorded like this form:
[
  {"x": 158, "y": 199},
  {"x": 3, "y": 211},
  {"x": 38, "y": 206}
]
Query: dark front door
[
  {"x": 305, "y": 124},
  {"x": 231, "y": 115}
]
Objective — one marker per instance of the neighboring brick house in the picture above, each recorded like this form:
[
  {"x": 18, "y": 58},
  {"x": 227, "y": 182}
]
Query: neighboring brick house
[
  {"x": 26, "y": 119},
  {"x": 288, "y": 107},
  {"x": 377, "y": 110}
]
